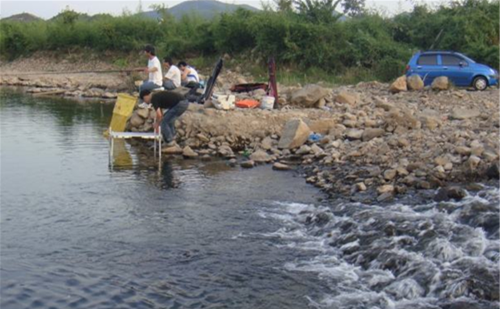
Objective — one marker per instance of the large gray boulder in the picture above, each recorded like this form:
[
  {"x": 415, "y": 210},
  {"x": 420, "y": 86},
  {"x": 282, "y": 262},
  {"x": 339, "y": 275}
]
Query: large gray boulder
[
  {"x": 260, "y": 156},
  {"x": 136, "y": 120},
  {"x": 399, "y": 85},
  {"x": 464, "y": 113},
  {"x": 354, "y": 134},
  {"x": 267, "y": 143},
  {"x": 440, "y": 83},
  {"x": 143, "y": 112},
  {"x": 415, "y": 82},
  {"x": 225, "y": 151},
  {"x": 347, "y": 98},
  {"x": 371, "y": 133},
  {"x": 309, "y": 95},
  {"x": 295, "y": 134}
]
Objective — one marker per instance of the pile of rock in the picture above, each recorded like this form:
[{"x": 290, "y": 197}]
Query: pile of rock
[
  {"x": 67, "y": 87},
  {"x": 371, "y": 142},
  {"x": 415, "y": 83},
  {"x": 142, "y": 120},
  {"x": 210, "y": 132},
  {"x": 107, "y": 86}
]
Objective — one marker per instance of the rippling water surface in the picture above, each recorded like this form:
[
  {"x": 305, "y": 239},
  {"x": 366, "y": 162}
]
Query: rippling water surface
[{"x": 78, "y": 234}]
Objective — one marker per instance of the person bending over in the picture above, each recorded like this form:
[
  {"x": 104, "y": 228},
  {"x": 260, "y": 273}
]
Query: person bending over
[
  {"x": 172, "y": 79},
  {"x": 189, "y": 76},
  {"x": 176, "y": 105},
  {"x": 155, "y": 79}
]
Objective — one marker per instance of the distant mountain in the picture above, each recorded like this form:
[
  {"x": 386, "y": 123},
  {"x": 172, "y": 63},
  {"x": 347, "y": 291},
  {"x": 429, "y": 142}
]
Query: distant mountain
[
  {"x": 23, "y": 17},
  {"x": 203, "y": 8}
]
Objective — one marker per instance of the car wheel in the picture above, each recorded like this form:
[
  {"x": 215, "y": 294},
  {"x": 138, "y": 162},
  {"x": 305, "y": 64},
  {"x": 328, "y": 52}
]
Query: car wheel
[{"x": 480, "y": 83}]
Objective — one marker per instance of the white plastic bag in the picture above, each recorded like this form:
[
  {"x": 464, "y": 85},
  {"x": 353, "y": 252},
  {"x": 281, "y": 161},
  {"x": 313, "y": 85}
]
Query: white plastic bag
[{"x": 224, "y": 102}]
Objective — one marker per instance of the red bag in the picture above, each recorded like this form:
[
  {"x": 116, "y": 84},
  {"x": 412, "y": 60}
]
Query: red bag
[{"x": 247, "y": 104}]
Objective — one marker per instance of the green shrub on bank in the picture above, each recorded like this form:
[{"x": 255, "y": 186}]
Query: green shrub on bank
[
  {"x": 18, "y": 39},
  {"x": 468, "y": 26},
  {"x": 361, "y": 47}
]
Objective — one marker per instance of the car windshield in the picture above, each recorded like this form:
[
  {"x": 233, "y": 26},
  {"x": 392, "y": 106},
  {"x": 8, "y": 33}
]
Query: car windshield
[{"x": 467, "y": 58}]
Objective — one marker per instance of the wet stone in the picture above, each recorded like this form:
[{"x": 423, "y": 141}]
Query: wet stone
[
  {"x": 280, "y": 167},
  {"x": 493, "y": 172},
  {"x": 247, "y": 164},
  {"x": 385, "y": 197},
  {"x": 450, "y": 193}
]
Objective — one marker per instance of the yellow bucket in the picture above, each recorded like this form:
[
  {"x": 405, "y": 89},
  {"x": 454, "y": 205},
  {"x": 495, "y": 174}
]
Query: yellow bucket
[{"x": 124, "y": 107}]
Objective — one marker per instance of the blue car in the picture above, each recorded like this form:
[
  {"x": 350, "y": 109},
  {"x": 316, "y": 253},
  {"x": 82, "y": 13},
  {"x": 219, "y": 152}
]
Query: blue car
[{"x": 460, "y": 70}]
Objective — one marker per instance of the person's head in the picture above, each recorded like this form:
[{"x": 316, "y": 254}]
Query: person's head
[
  {"x": 182, "y": 65},
  {"x": 167, "y": 62},
  {"x": 149, "y": 51},
  {"x": 145, "y": 96}
]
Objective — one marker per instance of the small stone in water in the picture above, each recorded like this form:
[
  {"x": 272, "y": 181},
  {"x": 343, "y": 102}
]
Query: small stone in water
[
  {"x": 385, "y": 197},
  {"x": 247, "y": 164},
  {"x": 280, "y": 167}
]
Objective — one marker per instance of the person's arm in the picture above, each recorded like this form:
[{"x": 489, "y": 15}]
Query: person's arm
[
  {"x": 159, "y": 117},
  {"x": 151, "y": 69},
  {"x": 154, "y": 67},
  {"x": 168, "y": 76},
  {"x": 185, "y": 73}
]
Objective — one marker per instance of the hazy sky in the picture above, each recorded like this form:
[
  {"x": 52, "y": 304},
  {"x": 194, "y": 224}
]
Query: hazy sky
[{"x": 47, "y": 9}]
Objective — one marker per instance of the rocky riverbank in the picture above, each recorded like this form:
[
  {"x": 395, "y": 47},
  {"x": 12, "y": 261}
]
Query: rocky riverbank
[
  {"x": 66, "y": 75},
  {"x": 86, "y": 76},
  {"x": 370, "y": 142}
]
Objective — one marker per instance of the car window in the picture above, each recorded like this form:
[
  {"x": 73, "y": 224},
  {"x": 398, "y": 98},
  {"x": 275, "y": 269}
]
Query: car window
[
  {"x": 427, "y": 60},
  {"x": 451, "y": 60}
]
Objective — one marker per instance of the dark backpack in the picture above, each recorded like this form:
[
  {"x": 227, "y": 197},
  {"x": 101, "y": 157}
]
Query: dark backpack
[{"x": 193, "y": 95}]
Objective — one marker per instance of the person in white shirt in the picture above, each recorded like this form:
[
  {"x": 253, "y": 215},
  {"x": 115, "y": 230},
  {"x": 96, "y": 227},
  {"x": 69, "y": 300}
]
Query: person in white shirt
[
  {"x": 189, "y": 76},
  {"x": 172, "y": 79},
  {"x": 155, "y": 79}
]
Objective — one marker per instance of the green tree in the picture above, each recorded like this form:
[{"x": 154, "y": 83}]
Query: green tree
[
  {"x": 325, "y": 11},
  {"x": 354, "y": 7},
  {"x": 68, "y": 16},
  {"x": 285, "y": 6}
]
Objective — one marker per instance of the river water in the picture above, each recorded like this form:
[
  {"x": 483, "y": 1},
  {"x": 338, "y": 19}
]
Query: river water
[{"x": 76, "y": 233}]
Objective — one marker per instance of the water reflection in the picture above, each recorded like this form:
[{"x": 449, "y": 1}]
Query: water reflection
[
  {"x": 77, "y": 234},
  {"x": 121, "y": 157},
  {"x": 66, "y": 113},
  {"x": 136, "y": 159}
]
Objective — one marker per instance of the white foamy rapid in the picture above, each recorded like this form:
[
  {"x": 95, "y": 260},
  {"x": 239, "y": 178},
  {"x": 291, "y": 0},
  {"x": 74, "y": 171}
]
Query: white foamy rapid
[{"x": 437, "y": 255}]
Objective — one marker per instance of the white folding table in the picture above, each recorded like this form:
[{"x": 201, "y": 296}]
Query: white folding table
[{"x": 143, "y": 135}]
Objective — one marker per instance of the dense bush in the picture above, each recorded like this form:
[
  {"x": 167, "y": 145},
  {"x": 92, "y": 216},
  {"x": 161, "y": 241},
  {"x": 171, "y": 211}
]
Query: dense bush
[
  {"x": 468, "y": 26},
  {"x": 365, "y": 43}
]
